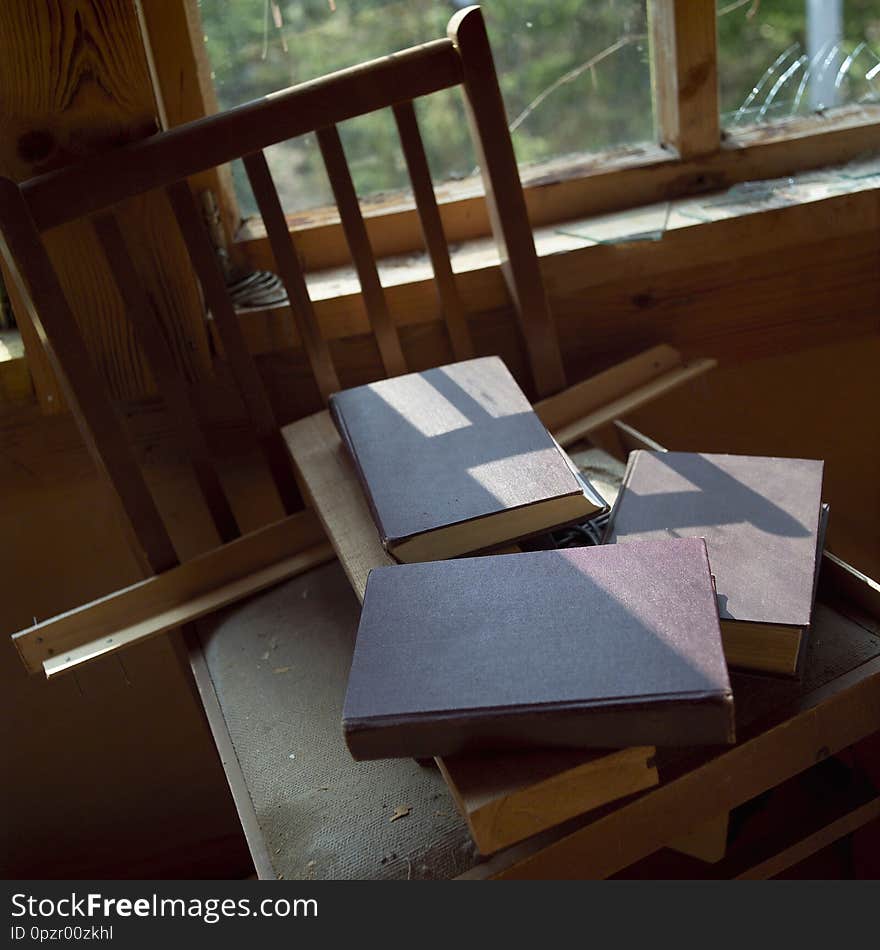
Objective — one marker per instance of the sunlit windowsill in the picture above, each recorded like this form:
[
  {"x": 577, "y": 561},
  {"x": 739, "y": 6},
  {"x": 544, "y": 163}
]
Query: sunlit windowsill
[
  {"x": 583, "y": 186},
  {"x": 627, "y": 236}
]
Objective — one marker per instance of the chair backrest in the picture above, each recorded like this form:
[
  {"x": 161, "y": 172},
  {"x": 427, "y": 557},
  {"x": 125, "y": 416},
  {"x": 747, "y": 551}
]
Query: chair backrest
[{"x": 164, "y": 162}]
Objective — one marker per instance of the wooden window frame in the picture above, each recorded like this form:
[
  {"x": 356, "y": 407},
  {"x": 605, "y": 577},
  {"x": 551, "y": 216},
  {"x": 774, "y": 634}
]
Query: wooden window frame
[{"x": 692, "y": 154}]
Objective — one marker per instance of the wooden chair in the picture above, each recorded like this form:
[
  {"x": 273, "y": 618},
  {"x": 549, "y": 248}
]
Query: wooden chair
[{"x": 164, "y": 161}]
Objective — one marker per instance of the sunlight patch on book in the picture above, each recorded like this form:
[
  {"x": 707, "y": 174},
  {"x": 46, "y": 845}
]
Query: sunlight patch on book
[
  {"x": 471, "y": 379},
  {"x": 421, "y": 405},
  {"x": 503, "y": 477}
]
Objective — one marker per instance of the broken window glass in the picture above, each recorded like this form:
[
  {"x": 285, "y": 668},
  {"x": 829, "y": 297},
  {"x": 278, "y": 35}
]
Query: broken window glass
[
  {"x": 574, "y": 75},
  {"x": 778, "y": 59}
]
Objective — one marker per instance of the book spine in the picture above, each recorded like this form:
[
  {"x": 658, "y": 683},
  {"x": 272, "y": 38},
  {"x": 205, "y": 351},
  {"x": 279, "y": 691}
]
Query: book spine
[
  {"x": 338, "y": 417},
  {"x": 697, "y": 720}
]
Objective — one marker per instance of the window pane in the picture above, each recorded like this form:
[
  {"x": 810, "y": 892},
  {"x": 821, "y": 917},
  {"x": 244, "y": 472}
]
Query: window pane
[
  {"x": 574, "y": 75},
  {"x": 784, "y": 58}
]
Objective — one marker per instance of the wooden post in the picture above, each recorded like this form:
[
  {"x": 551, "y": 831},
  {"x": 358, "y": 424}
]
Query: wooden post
[
  {"x": 684, "y": 75},
  {"x": 74, "y": 82}
]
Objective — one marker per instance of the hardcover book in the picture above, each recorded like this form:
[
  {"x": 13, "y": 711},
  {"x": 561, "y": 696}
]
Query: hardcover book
[
  {"x": 592, "y": 647},
  {"x": 763, "y": 522},
  {"x": 454, "y": 460}
]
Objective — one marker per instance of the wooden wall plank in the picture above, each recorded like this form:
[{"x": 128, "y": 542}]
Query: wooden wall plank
[{"x": 74, "y": 83}]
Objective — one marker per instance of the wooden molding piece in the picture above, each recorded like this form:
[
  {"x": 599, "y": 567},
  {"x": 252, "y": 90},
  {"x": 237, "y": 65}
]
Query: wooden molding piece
[
  {"x": 599, "y": 400},
  {"x": 175, "y": 597},
  {"x": 508, "y": 798},
  {"x": 582, "y": 398}
]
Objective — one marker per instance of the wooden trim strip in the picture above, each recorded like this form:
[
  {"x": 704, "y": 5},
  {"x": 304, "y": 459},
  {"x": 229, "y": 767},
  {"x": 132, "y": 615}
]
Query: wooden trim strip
[
  {"x": 432, "y": 229},
  {"x": 168, "y": 378},
  {"x": 240, "y": 361},
  {"x": 155, "y": 162},
  {"x": 361, "y": 252},
  {"x": 176, "y": 597},
  {"x": 291, "y": 273},
  {"x": 684, "y": 75},
  {"x": 597, "y": 391},
  {"x": 571, "y": 433}
]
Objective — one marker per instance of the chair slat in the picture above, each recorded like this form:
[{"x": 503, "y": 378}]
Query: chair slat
[
  {"x": 256, "y": 401},
  {"x": 505, "y": 200},
  {"x": 361, "y": 252},
  {"x": 291, "y": 274},
  {"x": 84, "y": 389},
  {"x": 169, "y": 379},
  {"x": 432, "y": 229}
]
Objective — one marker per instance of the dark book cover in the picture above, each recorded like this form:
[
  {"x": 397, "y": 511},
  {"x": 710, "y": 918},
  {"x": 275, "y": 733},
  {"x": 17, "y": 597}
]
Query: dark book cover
[
  {"x": 579, "y": 647},
  {"x": 760, "y": 518},
  {"x": 451, "y": 450}
]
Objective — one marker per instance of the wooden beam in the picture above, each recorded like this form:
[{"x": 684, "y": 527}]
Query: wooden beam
[
  {"x": 684, "y": 75},
  {"x": 176, "y": 597}
]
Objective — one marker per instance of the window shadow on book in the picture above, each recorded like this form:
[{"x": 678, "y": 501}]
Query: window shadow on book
[
  {"x": 715, "y": 498},
  {"x": 539, "y": 633},
  {"x": 484, "y": 455}
]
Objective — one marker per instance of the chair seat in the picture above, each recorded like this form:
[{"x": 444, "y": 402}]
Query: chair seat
[{"x": 279, "y": 663}]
